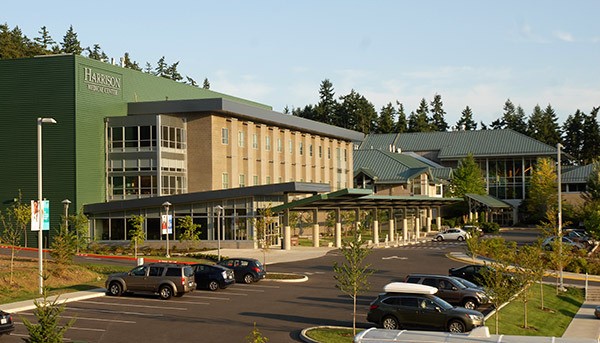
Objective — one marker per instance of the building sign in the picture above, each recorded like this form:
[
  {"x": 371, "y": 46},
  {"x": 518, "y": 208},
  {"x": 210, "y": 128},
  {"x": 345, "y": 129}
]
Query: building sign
[
  {"x": 40, "y": 212},
  {"x": 101, "y": 81}
]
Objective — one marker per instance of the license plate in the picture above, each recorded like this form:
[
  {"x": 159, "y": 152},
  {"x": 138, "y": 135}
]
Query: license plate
[{"x": 3, "y": 321}]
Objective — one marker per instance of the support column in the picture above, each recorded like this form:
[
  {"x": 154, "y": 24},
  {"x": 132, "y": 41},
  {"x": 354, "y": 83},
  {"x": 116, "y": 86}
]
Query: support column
[
  {"x": 405, "y": 227},
  {"x": 287, "y": 237},
  {"x": 429, "y": 215},
  {"x": 338, "y": 229},
  {"x": 438, "y": 220},
  {"x": 316, "y": 229},
  {"x": 375, "y": 228},
  {"x": 357, "y": 219},
  {"x": 392, "y": 225},
  {"x": 418, "y": 224}
]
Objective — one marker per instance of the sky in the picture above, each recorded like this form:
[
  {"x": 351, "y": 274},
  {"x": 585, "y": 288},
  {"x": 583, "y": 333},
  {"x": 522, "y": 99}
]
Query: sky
[{"x": 472, "y": 53}]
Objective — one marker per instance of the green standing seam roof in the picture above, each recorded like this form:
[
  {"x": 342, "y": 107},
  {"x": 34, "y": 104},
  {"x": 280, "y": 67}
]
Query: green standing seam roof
[
  {"x": 458, "y": 144},
  {"x": 579, "y": 174},
  {"x": 488, "y": 200}
]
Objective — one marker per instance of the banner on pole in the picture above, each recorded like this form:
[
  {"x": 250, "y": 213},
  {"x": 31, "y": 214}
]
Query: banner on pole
[{"x": 40, "y": 211}]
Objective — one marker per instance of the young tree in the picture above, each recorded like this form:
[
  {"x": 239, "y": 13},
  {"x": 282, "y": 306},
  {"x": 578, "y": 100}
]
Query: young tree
[
  {"x": 264, "y": 222},
  {"x": 191, "y": 231},
  {"x": 48, "y": 328},
  {"x": 64, "y": 246},
  {"x": 352, "y": 275},
  {"x": 136, "y": 234},
  {"x": 527, "y": 258},
  {"x": 499, "y": 286},
  {"x": 79, "y": 222},
  {"x": 467, "y": 178},
  {"x": 256, "y": 336},
  {"x": 543, "y": 189},
  {"x": 11, "y": 231}
]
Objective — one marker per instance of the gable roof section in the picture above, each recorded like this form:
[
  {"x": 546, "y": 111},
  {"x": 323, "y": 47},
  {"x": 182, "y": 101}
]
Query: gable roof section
[
  {"x": 579, "y": 174},
  {"x": 386, "y": 167},
  {"x": 452, "y": 145}
]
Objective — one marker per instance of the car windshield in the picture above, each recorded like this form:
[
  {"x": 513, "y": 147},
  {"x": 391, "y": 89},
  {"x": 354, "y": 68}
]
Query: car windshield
[
  {"x": 467, "y": 283},
  {"x": 443, "y": 304},
  {"x": 460, "y": 283}
]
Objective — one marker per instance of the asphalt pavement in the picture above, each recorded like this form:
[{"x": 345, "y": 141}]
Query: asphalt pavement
[{"x": 584, "y": 324}]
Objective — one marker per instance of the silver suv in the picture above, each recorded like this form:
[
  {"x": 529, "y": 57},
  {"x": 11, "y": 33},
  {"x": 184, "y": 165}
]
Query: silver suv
[{"x": 164, "y": 279}]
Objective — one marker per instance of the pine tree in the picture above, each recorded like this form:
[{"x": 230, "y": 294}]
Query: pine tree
[
  {"x": 357, "y": 111},
  {"x": 401, "y": 123},
  {"x": 437, "y": 114},
  {"x": 327, "y": 104},
  {"x": 535, "y": 123},
  {"x": 573, "y": 135},
  {"x": 96, "y": 53},
  {"x": 48, "y": 328},
  {"x": 419, "y": 121},
  {"x": 205, "y": 83},
  {"x": 385, "y": 122},
  {"x": 513, "y": 118},
  {"x": 46, "y": 44},
  {"x": 172, "y": 73},
  {"x": 466, "y": 121},
  {"x": 551, "y": 129},
  {"x": 161, "y": 68},
  {"x": 128, "y": 63},
  {"x": 590, "y": 149},
  {"x": 70, "y": 43}
]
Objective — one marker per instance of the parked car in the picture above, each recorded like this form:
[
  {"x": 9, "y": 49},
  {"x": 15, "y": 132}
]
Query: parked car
[
  {"x": 246, "y": 270},
  {"x": 452, "y": 290},
  {"x": 6, "y": 323},
  {"x": 597, "y": 312},
  {"x": 567, "y": 242},
  {"x": 579, "y": 237},
  {"x": 472, "y": 229},
  {"x": 414, "y": 306},
  {"x": 164, "y": 279},
  {"x": 452, "y": 234},
  {"x": 212, "y": 277},
  {"x": 470, "y": 272}
]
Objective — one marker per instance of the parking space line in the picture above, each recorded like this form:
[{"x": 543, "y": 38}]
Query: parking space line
[
  {"x": 88, "y": 319},
  {"x": 141, "y": 314},
  {"x": 229, "y": 293},
  {"x": 208, "y": 297},
  {"x": 249, "y": 290},
  {"x": 132, "y": 305},
  {"x": 256, "y": 286}
]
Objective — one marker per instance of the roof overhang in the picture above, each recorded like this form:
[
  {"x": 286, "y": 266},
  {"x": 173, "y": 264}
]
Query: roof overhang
[{"x": 488, "y": 201}]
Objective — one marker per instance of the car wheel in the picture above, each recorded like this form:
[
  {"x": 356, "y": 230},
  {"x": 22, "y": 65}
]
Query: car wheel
[
  {"x": 460, "y": 238},
  {"x": 456, "y": 326},
  {"x": 439, "y": 238},
  {"x": 213, "y": 285},
  {"x": 248, "y": 278},
  {"x": 390, "y": 323},
  {"x": 165, "y": 292},
  {"x": 115, "y": 289},
  {"x": 470, "y": 304}
]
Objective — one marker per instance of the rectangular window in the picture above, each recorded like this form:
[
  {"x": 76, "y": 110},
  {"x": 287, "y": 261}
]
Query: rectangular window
[
  {"x": 291, "y": 146},
  {"x": 268, "y": 143},
  {"x": 310, "y": 150},
  {"x": 255, "y": 141},
  {"x": 301, "y": 148},
  {"x": 241, "y": 139},
  {"x": 255, "y": 180},
  {"x": 328, "y": 153},
  {"x": 320, "y": 151},
  {"x": 279, "y": 145},
  {"x": 225, "y": 181},
  {"x": 225, "y": 135},
  {"x": 268, "y": 180},
  {"x": 242, "y": 180}
]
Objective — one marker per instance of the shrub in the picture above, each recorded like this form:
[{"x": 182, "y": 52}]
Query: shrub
[{"x": 490, "y": 227}]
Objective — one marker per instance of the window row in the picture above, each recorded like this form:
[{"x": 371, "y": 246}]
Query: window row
[
  {"x": 131, "y": 165},
  {"x": 132, "y": 138},
  {"x": 119, "y": 186},
  {"x": 173, "y": 137}
]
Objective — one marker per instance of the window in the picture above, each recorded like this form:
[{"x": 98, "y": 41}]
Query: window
[
  {"x": 310, "y": 150},
  {"x": 279, "y": 145},
  {"x": 328, "y": 153},
  {"x": 225, "y": 181},
  {"x": 268, "y": 180},
  {"x": 241, "y": 139},
  {"x": 320, "y": 151},
  {"x": 291, "y": 146},
  {"x": 225, "y": 135},
  {"x": 255, "y": 141},
  {"x": 268, "y": 143},
  {"x": 255, "y": 180},
  {"x": 242, "y": 180},
  {"x": 301, "y": 148}
]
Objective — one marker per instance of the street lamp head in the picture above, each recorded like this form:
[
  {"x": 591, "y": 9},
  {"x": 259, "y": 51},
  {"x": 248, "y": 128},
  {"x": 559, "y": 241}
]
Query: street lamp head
[
  {"x": 46, "y": 121},
  {"x": 66, "y": 202},
  {"x": 166, "y": 205},
  {"x": 219, "y": 208}
]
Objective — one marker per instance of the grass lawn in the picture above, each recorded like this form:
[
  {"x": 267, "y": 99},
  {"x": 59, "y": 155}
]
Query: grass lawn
[
  {"x": 332, "y": 335},
  {"x": 558, "y": 312}
]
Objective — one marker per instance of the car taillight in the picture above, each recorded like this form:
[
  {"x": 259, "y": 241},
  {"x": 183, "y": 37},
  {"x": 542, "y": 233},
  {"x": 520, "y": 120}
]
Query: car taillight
[
  {"x": 373, "y": 307},
  {"x": 256, "y": 269},
  {"x": 183, "y": 280}
]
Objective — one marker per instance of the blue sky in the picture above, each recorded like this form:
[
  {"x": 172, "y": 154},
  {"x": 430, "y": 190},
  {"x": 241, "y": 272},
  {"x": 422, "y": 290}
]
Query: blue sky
[{"x": 475, "y": 53}]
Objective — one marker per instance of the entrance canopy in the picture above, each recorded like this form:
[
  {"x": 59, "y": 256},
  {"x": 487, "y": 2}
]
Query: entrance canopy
[
  {"x": 353, "y": 198},
  {"x": 487, "y": 201}
]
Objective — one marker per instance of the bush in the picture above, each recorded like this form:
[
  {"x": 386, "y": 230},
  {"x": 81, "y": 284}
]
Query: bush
[{"x": 490, "y": 227}]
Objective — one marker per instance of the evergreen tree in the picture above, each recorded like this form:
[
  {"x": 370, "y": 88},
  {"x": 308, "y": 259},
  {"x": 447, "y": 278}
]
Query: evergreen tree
[
  {"x": 205, "y": 83},
  {"x": 309, "y": 112},
  {"x": 48, "y": 328},
  {"x": 592, "y": 190},
  {"x": 482, "y": 126},
  {"x": 419, "y": 121},
  {"x": 497, "y": 124},
  {"x": 70, "y": 43},
  {"x": 148, "y": 69},
  {"x": 573, "y": 135},
  {"x": 437, "y": 114},
  {"x": 551, "y": 129},
  {"x": 401, "y": 123},
  {"x": 96, "y": 53},
  {"x": 590, "y": 148},
  {"x": 161, "y": 68},
  {"x": 360, "y": 114},
  {"x": 325, "y": 110},
  {"x": 513, "y": 118},
  {"x": 13, "y": 44},
  {"x": 466, "y": 121},
  {"x": 385, "y": 122},
  {"x": 128, "y": 63},
  {"x": 46, "y": 44},
  {"x": 172, "y": 72},
  {"x": 535, "y": 123}
]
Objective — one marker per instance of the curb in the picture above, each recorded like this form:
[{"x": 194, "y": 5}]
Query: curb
[
  {"x": 93, "y": 293},
  {"x": 307, "y": 339},
  {"x": 304, "y": 278}
]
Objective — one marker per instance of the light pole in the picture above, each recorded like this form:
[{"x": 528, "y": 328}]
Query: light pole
[
  {"x": 66, "y": 203},
  {"x": 219, "y": 210},
  {"x": 41, "y": 121},
  {"x": 166, "y": 204},
  {"x": 559, "y": 180}
]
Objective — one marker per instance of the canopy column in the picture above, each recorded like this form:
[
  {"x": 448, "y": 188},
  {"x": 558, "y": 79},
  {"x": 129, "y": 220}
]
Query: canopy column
[
  {"x": 338, "y": 228},
  {"x": 316, "y": 229},
  {"x": 375, "y": 228},
  {"x": 392, "y": 225}
]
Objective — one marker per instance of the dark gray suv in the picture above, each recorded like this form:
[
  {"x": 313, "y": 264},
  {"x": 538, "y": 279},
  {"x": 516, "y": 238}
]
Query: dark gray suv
[
  {"x": 406, "y": 310},
  {"x": 452, "y": 290},
  {"x": 164, "y": 279}
]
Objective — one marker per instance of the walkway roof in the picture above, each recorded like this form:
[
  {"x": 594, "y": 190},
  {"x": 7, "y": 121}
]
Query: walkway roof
[{"x": 488, "y": 200}]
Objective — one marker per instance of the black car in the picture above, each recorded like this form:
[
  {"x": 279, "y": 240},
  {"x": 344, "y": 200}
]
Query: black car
[
  {"x": 413, "y": 309},
  {"x": 246, "y": 270},
  {"x": 471, "y": 272},
  {"x": 6, "y": 323},
  {"x": 452, "y": 290},
  {"x": 213, "y": 277}
]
